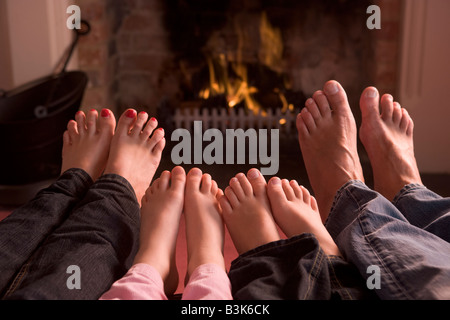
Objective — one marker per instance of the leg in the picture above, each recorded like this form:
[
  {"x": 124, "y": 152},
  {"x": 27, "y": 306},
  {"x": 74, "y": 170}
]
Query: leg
[
  {"x": 296, "y": 212},
  {"x": 328, "y": 140},
  {"x": 101, "y": 234},
  {"x": 160, "y": 218},
  {"x": 371, "y": 232},
  {"x": 205, "y": 240},
  {"x": 246, "y": 211},
  {"x": 86, "y": 144}
]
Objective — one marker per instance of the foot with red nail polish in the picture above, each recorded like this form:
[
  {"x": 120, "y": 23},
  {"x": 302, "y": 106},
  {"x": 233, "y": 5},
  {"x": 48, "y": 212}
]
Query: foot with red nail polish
[
  {"x": 87, "y": 141},
  {"x": 136, "y": 150}
]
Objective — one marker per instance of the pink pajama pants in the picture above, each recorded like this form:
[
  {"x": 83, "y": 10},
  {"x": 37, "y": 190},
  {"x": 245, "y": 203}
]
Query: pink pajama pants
[{"x": 143, "y": 282}]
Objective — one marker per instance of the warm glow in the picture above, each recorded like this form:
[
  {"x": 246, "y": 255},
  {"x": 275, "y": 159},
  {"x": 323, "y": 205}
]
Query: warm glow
[{"x": 237, "y": 89}]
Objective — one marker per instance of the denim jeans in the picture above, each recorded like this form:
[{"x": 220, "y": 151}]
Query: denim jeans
[
  {"x": 295, "y": 269},
  {"x": 94, "y": 226},
  {"x": 406, "y": 240}
]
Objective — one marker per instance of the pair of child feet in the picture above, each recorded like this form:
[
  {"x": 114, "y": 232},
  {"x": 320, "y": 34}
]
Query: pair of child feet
[{"x": 250, "y": 208}]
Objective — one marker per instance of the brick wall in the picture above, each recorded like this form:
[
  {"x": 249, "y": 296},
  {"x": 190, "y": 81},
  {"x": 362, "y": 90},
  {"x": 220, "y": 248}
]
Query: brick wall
[{"x": 129, "y": 60}]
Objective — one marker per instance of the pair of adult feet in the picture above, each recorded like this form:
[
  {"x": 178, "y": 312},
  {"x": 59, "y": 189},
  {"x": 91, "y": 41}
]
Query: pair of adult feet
[{"x": 328, "y": 140}]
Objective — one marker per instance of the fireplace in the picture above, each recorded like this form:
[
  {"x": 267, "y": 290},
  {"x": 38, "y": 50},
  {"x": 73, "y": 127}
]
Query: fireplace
[{"x": 232, "y": 63}]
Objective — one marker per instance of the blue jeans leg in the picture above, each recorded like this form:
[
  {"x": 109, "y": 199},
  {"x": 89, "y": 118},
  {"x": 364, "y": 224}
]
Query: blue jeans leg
[
  {"x": 425, "y": 209},
  {"x": 100, "y": 237},
  {"x": 27, "y": 227},
  {"x": 371, "y": 232}
]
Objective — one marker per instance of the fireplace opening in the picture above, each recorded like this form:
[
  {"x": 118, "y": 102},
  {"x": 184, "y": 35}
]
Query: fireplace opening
[{"x": 262, "y": 57}]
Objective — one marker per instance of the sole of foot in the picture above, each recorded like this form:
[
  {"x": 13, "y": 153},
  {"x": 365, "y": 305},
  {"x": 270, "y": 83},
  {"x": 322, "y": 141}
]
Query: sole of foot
[
  {"x": 136, "y": 150},
  {"x": 387, "y": 135},
  {"x": 328, "y": 140},
  {"x": 246, "y": 212}
]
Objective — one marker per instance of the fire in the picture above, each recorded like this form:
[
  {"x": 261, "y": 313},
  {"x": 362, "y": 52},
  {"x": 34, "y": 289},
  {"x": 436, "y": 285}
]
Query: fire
[{"x": 229, "y": 77}]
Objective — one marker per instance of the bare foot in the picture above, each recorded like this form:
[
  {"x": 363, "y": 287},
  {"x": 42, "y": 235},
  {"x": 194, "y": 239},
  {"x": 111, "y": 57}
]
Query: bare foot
[
  {"x": 328, "y": 140},
  {"x": 296, "y": 212},
  {"x": 387, "y": 135},
  {"x": 87, "y": 141},
  {"x": 246, "y": 211},
  {"x": 161, "y": 210},
  {"x": 204, "y": 226},
  {"x": 136, "y": 150}
]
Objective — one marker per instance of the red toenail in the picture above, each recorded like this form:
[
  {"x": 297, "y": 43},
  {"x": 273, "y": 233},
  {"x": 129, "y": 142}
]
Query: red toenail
[
  {"x": 93, "y": 110},
  {"x": 105, "y": 113},
  {"x": 131, "y": 114},
  {"x": 153, "y": 119}
]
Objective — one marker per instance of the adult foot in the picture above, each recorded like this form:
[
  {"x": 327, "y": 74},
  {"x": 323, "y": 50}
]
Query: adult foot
[
  {"x": 162, "y": 206},
  {"x": 136, "y": 150},
  {"x": 204, "y": 226},
  {"x": 387, "y": 135},
  {"x": 296, "y": 212},
  {"x": 246, "y": 211},
  {"x": 328, "y": 140},
  {"x": 86, "y": 142}
]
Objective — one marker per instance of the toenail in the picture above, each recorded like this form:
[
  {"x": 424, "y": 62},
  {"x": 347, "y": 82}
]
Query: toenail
[
  {"x": 371, "y": 93},
  {"x": 196, "y": 172},
  {"x": 309, "y": 101},
  {"x": 253, "y": 174},
  {"x": 105, "y": 113},
  {"x": 131, "y": 114},
  {"x": 275, "y": 181},
  {"x": 153, "y": 119},
  {"x": 331, "y": 88}
]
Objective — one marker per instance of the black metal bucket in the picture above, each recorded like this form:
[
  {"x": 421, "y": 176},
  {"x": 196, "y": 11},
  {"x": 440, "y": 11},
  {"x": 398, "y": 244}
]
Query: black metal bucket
[{"x": 32, "y": 126}]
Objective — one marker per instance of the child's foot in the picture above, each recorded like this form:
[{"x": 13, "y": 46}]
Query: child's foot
[
  {"x": 204, "y": 226},
  {"x": 328, "y": 140},
  {"x": 246, "y": 211},
  {"x": 136, "y": 150},
  {"x": 161, "y": 210},
  {"x": 86, "y": 142},
  {"x": 296, "y": 212},
  {"x": 387, "y": 135}
]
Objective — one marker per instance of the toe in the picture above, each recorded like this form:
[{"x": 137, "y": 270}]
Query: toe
[
  {"x": 142, "y": 118},
  {"x": 404, "y": 122},
  {"x": 309, "y": 121},
  {"x": 158, "y": 149},
  {"x": 224, "y": 205},
  {"x": 237, "y": 189},
  {"x": 337, "y": 97},
  {"x": 288, "y": 191},
  {"x": 296, "y": 188},
  {"x": 126, "y": 122},
  {"x": 322, "y": 103},
  {"x": 91, "y": 121},
  {"x": 275, "y": 192},
  {"x": 178, "y": 179},
  {"x": 193, "y": 179},
  {"x": 231, "y": 197},
  {"x": 80, "y": 118},
  {"x": 245, "y": 184},
  {"x": 387, "y": 107},
  {"x": 149, "y": 128},
  {"x": 313, "y": 109},
  {"x": 106, "y": 122},
  {"x": 369, "y": 103},
  {"x": 157, "y": 136},
  {"x": 72, "y": 128},
  {"x": 397, "y": 114},
  {"x": 206, "y": 183},
  {"x": 301, "y": 127},
  {"x": 164, "y": 180},
  {"x": 257, "y": 181}
]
